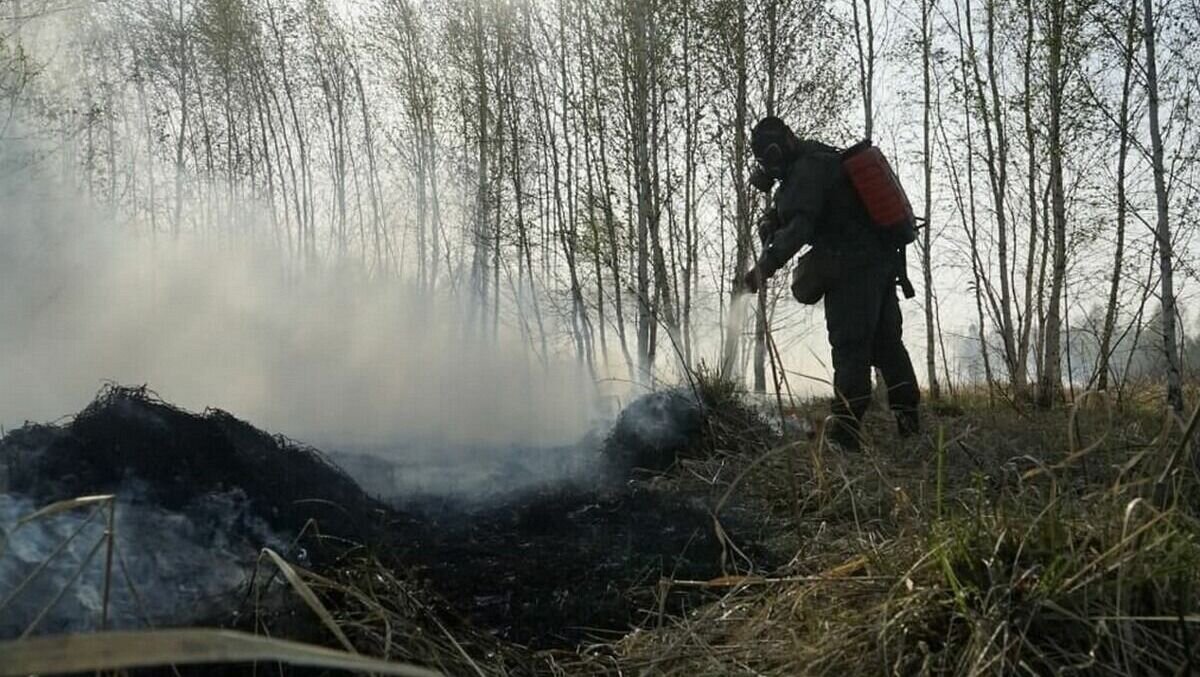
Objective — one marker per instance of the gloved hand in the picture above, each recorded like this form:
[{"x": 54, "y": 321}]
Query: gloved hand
[{"x": 750, "y": 282}]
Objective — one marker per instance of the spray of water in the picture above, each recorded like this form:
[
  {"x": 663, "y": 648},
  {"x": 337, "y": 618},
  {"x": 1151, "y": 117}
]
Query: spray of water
[{"x": 735, "y": 321}]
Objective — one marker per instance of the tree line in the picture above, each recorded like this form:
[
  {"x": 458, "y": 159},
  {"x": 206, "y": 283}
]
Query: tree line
[{"x": 578, "y": 168}]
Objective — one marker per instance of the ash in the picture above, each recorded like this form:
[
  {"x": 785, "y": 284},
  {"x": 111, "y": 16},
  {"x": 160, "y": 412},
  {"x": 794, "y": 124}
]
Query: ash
[{"x": 558, "y": 567}]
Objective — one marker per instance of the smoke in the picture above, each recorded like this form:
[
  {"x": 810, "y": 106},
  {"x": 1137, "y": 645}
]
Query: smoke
[
  {"x": 181, "y": 565},
  {"x": 326, "y": 356}
]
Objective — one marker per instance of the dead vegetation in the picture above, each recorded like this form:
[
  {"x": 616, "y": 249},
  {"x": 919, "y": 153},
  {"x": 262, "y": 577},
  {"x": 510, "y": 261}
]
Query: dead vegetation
[
  {"x": 1003, "y": 541},
  {"x": 179, "y": 455}
]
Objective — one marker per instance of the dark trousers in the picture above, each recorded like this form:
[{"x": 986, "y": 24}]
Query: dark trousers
[{"x": 863, "y": 318}]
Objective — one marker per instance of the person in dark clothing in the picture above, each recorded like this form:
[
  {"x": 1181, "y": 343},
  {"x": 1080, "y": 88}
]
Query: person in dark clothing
[{"x": 815, "y": 204}]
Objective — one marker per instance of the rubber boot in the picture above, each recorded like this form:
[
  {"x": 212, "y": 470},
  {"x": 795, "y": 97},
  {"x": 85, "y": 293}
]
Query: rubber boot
[
  {"x": 843, "y": 431},
  {"x": 909, "y": 422}
]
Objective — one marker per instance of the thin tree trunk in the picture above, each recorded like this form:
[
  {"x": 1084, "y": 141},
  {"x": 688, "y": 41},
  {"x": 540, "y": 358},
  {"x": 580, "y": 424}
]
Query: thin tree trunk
[
  {"x": 183, "y": 123},
  {"x": 1110, "y": 313},
  {"x": 866, "y": 62},
  {"x": 971, "y": 226},
  {"x": 1041, "y": 283},
  {"x": 691, "y": 112},
  {"x": 738, "y": 162},
  {"x": 151, "y": 189},
  {"x": 479, "y": 273},
  {"x": 1026, "y": 318},
  {"x": 926, "y": 239},
  {"x": 1163, "y": 226},
  {"x": 614, "y": 254},
  {"x": 306, "y": 240},
  {"x": 997, "y": 164},
  {"x": 760, "y": 324},
  {"x": 639, "y": 32},
  {"x": 1051, "y": 383},
  {"x": 525, "y": 274},
  {"x": 372, "y": 170}
]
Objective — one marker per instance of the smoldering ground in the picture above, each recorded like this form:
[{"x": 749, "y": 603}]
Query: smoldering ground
[
  {"x": 200, "y": 493},
  {"x": 172, "y": 566}
]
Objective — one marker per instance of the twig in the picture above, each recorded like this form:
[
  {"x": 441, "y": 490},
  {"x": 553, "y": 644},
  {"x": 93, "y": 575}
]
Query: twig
[
  {"x": 1179, "y": 448},
  {"x": 739, "y": 581}
]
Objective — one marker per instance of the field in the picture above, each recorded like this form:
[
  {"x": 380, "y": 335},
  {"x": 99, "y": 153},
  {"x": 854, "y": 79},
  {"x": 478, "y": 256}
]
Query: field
[{"x": 1004, "y": 542}]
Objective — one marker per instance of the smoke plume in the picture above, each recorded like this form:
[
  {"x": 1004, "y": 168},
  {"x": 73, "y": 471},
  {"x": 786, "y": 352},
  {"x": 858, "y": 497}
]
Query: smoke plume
[{"x": 327, "y": 356}]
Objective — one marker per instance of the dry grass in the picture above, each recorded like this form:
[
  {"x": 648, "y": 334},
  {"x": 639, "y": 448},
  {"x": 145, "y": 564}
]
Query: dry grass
[
  {"x": 113, "y": 651},
  {"x": 379, "y": 613},
  {"x": 1004, "y": 542}
]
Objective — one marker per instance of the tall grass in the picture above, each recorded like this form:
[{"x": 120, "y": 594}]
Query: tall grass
[{"x": 1009, "y": 542}]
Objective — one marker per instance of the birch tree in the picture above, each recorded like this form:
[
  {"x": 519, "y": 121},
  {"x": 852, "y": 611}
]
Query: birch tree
[{"x": 1162, "y": 230}]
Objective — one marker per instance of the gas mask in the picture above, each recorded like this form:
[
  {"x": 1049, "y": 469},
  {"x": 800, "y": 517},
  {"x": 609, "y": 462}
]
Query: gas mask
[
  {"x": 760, "y": 179},
  {"x": 769, "y": 167}
]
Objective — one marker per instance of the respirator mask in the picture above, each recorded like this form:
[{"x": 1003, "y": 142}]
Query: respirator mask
[
  {"x": 760, "y": 179},
  {"x": 770, "y": 164}
]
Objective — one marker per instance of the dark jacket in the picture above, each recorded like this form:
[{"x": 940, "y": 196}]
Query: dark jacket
[{"x": 816, "y": 205}]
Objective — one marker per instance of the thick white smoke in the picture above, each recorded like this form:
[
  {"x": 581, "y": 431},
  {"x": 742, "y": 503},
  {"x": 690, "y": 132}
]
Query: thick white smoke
[{"x": 328, "y": 357}]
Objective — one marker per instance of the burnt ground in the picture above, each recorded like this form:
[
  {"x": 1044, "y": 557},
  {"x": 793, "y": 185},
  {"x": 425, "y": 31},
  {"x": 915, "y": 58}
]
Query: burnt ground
[
  {"x": 545, "y": 568},
  {"x": 555, "y": 569}
]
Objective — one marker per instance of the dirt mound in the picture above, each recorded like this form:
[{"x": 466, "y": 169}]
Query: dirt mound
[
  {"x": 130, "y": 434},
  {"x": 658, "y": 429},
  {"x": 655, "y": 430}
]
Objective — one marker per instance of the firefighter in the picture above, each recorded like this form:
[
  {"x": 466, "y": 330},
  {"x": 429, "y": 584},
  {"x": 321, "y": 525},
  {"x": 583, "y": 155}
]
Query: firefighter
[{"x": 852, "y": 264}]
